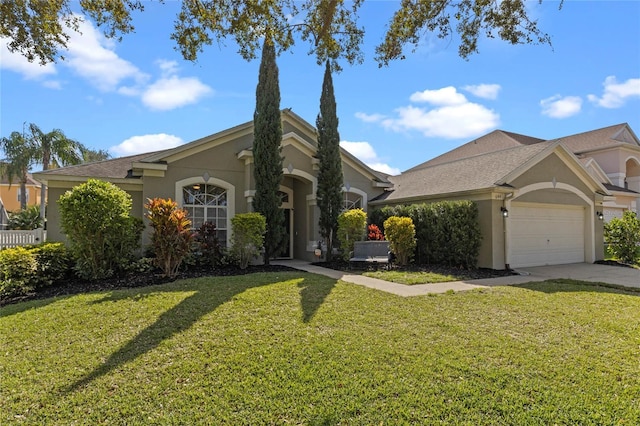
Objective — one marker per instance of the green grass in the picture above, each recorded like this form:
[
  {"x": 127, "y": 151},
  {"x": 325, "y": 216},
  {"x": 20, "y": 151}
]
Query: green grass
[
  {"x": 414, "y": 277},
  {"x": 296, "y": 348}
]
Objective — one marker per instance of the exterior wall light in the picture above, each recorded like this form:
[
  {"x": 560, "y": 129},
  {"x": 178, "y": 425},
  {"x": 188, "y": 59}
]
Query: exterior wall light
[
  {"x": 504, "y": 211},
  {"x": 600, "y": 215}
]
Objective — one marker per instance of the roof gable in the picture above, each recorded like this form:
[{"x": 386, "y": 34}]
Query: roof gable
[
  {"x": 227, "y": 135},
  {"x": 604, "y": 138}
]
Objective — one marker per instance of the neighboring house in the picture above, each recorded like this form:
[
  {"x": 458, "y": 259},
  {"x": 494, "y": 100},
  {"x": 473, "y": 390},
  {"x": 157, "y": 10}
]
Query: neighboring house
[
  {"x": 10, "y": 193},
  {"x": 213, "y": 179},
  {"x": 552, "y": 192},
  {"x": 4, "y": 217},
  {"x": 612, "y": 155}
]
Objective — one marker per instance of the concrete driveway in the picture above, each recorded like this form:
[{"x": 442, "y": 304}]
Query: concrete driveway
[{"x": 619, "y": 275}]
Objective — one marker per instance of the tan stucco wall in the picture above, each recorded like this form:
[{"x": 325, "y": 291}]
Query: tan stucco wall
[
  {"x": 54, "y": 233},
  {"x": 57, "y": 189},
  {"x": 548, "y": 169},
  {"x": 289, "y": 128},
  {"x": 492, "y": 227}
]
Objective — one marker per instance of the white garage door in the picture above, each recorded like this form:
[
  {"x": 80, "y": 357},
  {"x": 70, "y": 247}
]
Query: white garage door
[{"x": 545, "y": 235}]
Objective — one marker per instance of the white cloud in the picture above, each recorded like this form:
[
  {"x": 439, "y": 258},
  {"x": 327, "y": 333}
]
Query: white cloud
[
  {"x": 369, "y": 118},
  {"x": 18, "y": 63},
  {"x": 168, "y": 68},
  {"x": 615, "y": 94},
  {"x": 561, "y": 107},
  {"x": 365, "y": 153},
  {"x": 453, "y": 117},
  {"x": 145, "y": 143},
  {"x": 171, "y": 91},
  {"x": 91, "y": 55},
  {"x": 445, "y": 96},
  {"x": 485, "y": 91}
]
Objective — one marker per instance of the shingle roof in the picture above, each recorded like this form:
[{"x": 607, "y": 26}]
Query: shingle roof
[
  {"x": 494, "y": 141},
  {"x": 113, "y": 168},
  {"x": 467, "y": 174},
  {"x": 500, "y": 139},
  {"x": 4, "y": 180},
  {"x": 599, "y": 138},
  {"x": 617, "y": 188}
]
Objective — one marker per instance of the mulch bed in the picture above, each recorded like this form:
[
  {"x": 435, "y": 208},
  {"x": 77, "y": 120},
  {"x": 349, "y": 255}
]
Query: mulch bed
[
  {"x": 135, "y": 280},
  {"x": 613, "y": 263}
]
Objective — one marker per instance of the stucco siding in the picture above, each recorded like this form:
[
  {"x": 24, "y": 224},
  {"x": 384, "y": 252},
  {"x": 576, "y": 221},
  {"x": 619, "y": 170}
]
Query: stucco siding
[
  {"x": 548, "y": 169},
  {"x": 54, "y": 233},
  {"x": 491, "y": 253},
  {"x": 552, "y": 196}
]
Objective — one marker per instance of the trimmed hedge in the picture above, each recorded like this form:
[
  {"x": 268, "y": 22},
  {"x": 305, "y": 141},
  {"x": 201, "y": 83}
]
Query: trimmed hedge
[{"x": 447, "y": 232}]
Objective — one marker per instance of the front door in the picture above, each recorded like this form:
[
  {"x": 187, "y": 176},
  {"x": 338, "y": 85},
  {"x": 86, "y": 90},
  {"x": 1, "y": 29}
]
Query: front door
[{"x": 286, "y": 195}]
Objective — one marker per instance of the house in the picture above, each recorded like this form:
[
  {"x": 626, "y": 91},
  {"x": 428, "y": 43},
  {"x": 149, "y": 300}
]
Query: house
[
  {"x": 4, "y": 217},
  {"x": 10, "y": 193},
  {"x": 213, "y": 179},
  {"x": 540, "y": 202}
]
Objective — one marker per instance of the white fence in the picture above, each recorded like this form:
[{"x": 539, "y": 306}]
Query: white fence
[{"x": 21, "y": 238}]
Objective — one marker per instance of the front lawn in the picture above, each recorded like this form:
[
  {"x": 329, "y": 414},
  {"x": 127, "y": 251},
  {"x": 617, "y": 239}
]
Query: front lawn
[
  {"x": 413, "y": 277},
  {"x": 298, "y": 348}
]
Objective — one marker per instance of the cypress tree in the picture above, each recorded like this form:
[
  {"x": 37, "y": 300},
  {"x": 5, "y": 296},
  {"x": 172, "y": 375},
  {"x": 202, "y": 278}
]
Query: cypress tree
[
  {"x": 329, "y": 189},
  {"x": 267, "y": 134}
]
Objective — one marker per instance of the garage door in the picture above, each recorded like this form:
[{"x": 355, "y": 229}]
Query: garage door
[{"x": 545, "y": 234}]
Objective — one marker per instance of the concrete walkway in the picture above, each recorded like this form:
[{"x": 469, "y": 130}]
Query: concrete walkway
[{"x": 580, "y": 271}]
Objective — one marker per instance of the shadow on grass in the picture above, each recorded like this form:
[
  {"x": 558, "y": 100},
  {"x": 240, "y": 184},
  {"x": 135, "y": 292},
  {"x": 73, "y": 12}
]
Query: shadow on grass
[
  {"x": 312, "y": 296},
  {"x": 206, "y": 299},
  {"x": 562, "y": 285},
  {"x": 19, "y": 307}
]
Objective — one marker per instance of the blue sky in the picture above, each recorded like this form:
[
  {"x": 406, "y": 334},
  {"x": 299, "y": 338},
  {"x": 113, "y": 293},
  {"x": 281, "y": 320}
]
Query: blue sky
[{"x": 140, "y": 95}]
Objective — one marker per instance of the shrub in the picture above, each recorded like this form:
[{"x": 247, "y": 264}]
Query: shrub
[
  {"x": 447, "y": 232},
  {"x": 17, "y": 272},
  {"x": 102, "y": 235},
  {"x": 171, "y": 239},
  {"x": 374, "y": 233},
  {"x": 248, "y": 237},
  {"x": 208, "y": 246},
  {"x": 25, "y": 220},
  {"x": 401, "y": 234},
  {"x": 53, "y": 263},
  {"x": 623, "y": 237},
  {"x": 351, "y": 227},
  {"x": 30, "y": 268}
]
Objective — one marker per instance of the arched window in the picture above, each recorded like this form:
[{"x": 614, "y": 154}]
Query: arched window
[
  {"x": 207, "y": 203},
  {"x": 351, "y": 200}
]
